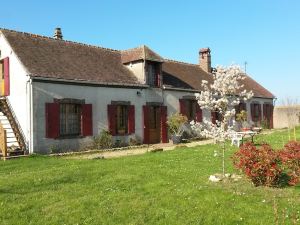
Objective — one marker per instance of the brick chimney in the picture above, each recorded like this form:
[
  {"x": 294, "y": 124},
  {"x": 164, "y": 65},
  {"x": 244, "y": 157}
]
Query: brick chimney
[
  {"x": 58, "y": 34},
  {"x": 205, "y": 60}
]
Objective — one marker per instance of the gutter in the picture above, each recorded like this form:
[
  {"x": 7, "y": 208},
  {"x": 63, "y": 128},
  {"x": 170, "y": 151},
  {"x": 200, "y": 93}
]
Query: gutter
[
  {"x": 86, "y": 83},
  {"x": 181, "y": 89}
]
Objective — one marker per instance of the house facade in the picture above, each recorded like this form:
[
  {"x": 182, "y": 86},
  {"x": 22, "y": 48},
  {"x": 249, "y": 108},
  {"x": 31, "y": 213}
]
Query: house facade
[{"x": 60, "y": 94}]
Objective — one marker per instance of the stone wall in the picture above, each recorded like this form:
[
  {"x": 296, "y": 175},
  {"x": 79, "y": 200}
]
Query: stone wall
[{"x": 285, "y": 115}]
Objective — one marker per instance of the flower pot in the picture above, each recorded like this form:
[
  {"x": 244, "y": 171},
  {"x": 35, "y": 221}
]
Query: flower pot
[
  {"x": 176, "y": 139},
  {"x": 245, "y": 129}
]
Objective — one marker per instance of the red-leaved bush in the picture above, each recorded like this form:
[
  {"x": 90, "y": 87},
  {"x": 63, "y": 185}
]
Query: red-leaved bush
[
  {"x": 290, "y": 158},
  {"x": 267, "y": 167},
  {"x": 261, "y": 165}
]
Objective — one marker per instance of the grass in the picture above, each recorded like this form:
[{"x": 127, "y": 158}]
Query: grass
[{"x": 156, "y": 188}]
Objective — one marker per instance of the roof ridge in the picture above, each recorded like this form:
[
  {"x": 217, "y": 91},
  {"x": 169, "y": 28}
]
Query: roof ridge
[
  {"x": 180, "y": 62},
  {"x": 130, "y": 49},
  {"x": 54, "y": 39}
]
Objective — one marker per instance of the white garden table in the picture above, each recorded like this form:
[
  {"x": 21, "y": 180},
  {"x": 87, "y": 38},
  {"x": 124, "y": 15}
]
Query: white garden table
[{"x": 248, "y": 133}]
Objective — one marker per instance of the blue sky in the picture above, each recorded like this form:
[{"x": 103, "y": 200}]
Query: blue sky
[{"x": 266, "y": 33}]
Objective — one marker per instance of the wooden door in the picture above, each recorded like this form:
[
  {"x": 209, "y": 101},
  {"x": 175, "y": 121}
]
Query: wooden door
[{"x": 154, "y": 124}]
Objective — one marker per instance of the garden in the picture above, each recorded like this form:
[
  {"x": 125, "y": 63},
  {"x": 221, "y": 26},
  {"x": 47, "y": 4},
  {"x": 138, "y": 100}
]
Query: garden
[{"x": 155, "y": 188}]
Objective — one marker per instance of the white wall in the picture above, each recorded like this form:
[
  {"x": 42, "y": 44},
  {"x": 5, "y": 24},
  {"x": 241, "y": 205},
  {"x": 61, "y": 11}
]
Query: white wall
[
  {"x": 138, "y": 68},
  {"x": 99, "y": 97},
  {"x": 19, "y": 88}
]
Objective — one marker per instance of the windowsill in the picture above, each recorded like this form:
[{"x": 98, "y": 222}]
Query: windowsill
[
  {"x": 121, "y": 135},
  {"x": 73, "y": 136}
]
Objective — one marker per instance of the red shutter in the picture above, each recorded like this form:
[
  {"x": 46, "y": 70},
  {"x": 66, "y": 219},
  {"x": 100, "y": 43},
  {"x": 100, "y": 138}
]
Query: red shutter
[
  {"x": 131, "y": 119},
  {"x": 244, "y": 106},
  {"x": 198, "y": 113},
  {"x": 6, "y": 77},
  {"x": 259, "y": 111},
  {"x": 252, "y": 111},
  {"x": 163, "y": 120},
  {"x": 87, "y": 120},
  {"x": 271, "y": 117},
  {"x": 146, "y": 124},
  {"x": 112, "y": 118},
  {"x": 213, "y": 117},
  {"x": 182, "y": 106},
  {"x": 265, "y": 113},
  {"x": 52, "y": 120}
]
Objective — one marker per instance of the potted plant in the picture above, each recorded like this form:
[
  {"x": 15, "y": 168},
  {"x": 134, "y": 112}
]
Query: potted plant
[
  {"x": 176, "y": 126},
  {"x": 242, "y": 118}
]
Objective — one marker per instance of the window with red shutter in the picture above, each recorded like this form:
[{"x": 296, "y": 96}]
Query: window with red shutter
[
  {"x": 52, "y": 120},
  {"x": 87, "y": 120},
  {"x": 6, "y": 76},
  {"x": 121, "y": 119},
  {"x": 64, "y": 118},
  {"x": 153, "y": 74}
]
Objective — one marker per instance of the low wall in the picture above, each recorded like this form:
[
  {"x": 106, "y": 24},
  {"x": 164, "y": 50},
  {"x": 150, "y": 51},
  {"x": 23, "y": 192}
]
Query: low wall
[{"x": 285, "y": 115}]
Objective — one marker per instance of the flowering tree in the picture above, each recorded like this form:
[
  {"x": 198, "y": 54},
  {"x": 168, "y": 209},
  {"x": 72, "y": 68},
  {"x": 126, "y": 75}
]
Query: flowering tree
[{"x": 221, "y": 96}]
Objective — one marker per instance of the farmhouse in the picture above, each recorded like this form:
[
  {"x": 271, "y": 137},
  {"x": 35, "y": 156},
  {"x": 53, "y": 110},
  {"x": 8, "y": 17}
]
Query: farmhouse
[{"x": 58, "y": 93}]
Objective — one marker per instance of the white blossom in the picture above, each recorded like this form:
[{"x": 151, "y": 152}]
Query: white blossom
[{"x": 222, "y": 96}]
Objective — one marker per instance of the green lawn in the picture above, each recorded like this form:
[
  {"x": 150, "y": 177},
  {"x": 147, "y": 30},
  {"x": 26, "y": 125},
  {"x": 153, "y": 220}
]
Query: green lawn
[{"x": 155, "y": 188}]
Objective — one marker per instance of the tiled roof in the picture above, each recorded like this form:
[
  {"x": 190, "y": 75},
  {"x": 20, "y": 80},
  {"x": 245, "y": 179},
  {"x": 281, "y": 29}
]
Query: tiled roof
[
  {"x": 59, "y": 59},
  {"x": 184, "y": 75},
  {"x": 52, "y": 58},
  {"x": 140, "y": 53}
]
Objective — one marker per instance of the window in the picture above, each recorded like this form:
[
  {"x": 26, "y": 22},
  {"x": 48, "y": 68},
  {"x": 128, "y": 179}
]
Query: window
[
  {"x": 153, "y": 74},
  {"x": 216, "y": 116},
  {"x": 256, "y": 112},
  {"x": 4, "y": 77},
  {"x": 122, "y": 118},
  {"x": 70, "y": 119},
  {"x": 191, "y": 109}
]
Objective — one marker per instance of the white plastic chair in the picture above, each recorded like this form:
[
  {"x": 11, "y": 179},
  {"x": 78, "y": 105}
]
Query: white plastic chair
[{"x": 236, "y": 139}]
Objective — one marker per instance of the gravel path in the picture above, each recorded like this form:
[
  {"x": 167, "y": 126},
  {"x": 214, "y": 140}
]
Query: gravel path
[{"x": 137, "y": 151}]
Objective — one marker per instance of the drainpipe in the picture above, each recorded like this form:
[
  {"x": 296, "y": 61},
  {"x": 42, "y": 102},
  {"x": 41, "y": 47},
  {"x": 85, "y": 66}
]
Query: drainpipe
[{"x": 29, "y": 114}]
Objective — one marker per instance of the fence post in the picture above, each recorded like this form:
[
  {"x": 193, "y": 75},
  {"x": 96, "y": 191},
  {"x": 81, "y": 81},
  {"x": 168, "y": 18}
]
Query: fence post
[{"x": 3, "y": 144}]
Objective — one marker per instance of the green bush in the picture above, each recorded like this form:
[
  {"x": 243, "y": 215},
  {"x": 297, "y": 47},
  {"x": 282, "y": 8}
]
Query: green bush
[
  {"x": 103, "y": 140},
  {"x": 175, "y": 123}
]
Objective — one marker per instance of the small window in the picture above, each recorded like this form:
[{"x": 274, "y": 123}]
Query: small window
[
  {"x": 153, "y": 74},
  {"x": 122, "y": 119},
  {"x": 256, "y": 111},
  {"x": 69, "y": 119},
  {"x": 191, "y": 109}
]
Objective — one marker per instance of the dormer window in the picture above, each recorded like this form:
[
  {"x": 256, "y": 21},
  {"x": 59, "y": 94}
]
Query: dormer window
[{"x": 153, "y": 74}]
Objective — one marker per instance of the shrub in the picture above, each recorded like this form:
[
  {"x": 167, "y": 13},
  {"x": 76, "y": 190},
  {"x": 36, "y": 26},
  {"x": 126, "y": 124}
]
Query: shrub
[
  {"x": 175, "y": 123},
  {"x": 290, "y": 157},
  {"x": 261, "y": 165},
  {"x": 103, "y": 140}
]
